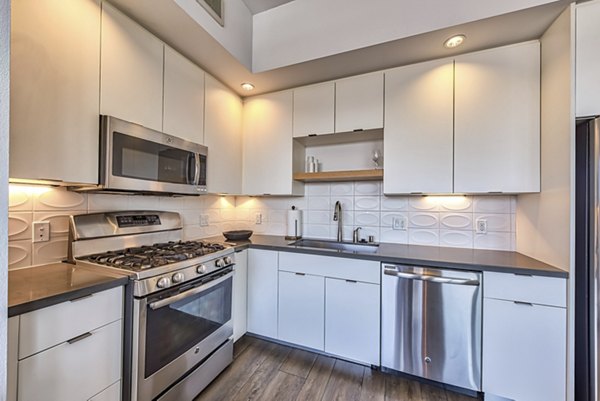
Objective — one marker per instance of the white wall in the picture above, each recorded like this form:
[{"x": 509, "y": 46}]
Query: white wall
[
  {"x": 309, "y": 29},
  {"x": 235, "y": 35},
  {"x": 4, "y": 121},
  {"x": 544, "y": 219}
]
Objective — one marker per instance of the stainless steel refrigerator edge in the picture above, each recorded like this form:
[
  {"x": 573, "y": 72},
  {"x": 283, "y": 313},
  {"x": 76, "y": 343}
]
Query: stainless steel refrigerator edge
[
  {"x": 431, "y": 324},
  {"x": 587, "y": 241}
]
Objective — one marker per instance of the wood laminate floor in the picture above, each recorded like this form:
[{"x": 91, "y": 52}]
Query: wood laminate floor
[{"x": 267, "y": 371}]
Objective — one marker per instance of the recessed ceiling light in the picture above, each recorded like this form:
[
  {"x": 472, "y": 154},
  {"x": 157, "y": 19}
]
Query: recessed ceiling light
[
  {"x": 454, "y": 41},
  {"x": 247, "y": 86}
]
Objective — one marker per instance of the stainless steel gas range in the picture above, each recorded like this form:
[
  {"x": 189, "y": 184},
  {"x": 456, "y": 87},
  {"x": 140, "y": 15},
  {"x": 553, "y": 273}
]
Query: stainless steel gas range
[{"x": 182, "y": 298}]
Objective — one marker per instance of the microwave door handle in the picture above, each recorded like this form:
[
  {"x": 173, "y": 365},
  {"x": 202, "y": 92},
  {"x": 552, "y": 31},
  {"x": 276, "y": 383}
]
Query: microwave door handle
[
  {"x": 197, "y": 173},
  {"x": 191, "y": 179}
]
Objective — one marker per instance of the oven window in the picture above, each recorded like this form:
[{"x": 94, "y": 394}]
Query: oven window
[
  {"x": 176, "y": 328},
  {"x": 145, "y": 160}
]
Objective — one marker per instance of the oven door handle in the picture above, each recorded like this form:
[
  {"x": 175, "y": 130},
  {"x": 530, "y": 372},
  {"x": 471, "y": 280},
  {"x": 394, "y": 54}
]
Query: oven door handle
[{"x": 168, "y": 301}]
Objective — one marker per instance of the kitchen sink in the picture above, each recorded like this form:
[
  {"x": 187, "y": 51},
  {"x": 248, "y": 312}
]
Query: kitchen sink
[{"x": 337, "y": 246}]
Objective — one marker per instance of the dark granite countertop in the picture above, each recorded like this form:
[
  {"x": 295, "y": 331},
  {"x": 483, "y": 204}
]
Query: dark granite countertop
[
  {"x": 430, "y": 256},
  {"x": 37, "y": 287}
]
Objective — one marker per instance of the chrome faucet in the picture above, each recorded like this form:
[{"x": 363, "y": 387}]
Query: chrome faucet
[
  {"x": 356, "y": 235},
  {"x": 337, "y": 216}
]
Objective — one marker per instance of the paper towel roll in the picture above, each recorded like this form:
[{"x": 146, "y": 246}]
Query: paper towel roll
[{"x": 294, "y": 223}]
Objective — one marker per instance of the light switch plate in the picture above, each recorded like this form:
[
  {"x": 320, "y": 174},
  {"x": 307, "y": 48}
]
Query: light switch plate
[
  {"x": 204, "y": 222},
  {"x": 399, "y": 223},
  {"x": 258, "y": 218},
  {"x": 41, "y": 231},
  {"x": 481, "y": 226}
]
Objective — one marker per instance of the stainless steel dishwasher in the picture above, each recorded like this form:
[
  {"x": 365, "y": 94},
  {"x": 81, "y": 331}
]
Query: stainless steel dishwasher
[{"x": 431, "y": 324}]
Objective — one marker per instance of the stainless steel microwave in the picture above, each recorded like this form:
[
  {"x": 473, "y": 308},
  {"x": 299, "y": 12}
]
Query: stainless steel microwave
[{"x": 134, "y": 158}]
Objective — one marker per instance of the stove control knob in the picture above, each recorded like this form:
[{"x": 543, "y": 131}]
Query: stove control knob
[
  {"x": 177, "y": 278},
  {"x": 228, "y": 260},
  {"x": 220, "y": 263},
  {"x": 164, "y": 282},
  {"x": 201, "y": 269}
]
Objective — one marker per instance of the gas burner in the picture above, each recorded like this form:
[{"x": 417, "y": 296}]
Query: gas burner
[{"x": 149, "y": 256}]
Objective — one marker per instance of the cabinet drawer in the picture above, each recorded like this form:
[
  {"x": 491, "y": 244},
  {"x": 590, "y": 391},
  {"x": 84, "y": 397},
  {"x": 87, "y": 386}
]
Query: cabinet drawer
[
  {"x": 535, "y": 289},
  {"x": 113, "y": 393},
  {"x": 73, "y": 371},
  {"x": 44, "y": 328},
  {"x": 343, "y": 268}
]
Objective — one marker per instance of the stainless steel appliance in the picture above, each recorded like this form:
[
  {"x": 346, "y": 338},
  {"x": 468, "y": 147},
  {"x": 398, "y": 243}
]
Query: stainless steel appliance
[
  {"x": 587, "y": 260},
  {"x": 138, "y": 159},
  {"x": 431, "y": 324},
  {"x": 182, "y": 298}
]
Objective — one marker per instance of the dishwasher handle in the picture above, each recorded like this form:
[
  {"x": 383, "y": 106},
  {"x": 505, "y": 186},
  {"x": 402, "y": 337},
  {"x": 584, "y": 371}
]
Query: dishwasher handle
[{"x": 426, "y": 277}]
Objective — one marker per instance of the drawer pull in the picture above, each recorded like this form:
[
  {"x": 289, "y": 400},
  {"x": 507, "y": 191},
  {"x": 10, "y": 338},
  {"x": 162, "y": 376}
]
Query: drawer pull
[
  {"x": 351, "y": 281},
  {"x": 523, "y": 303},
  {"x": 300, "y": 274},
  {"x": 79, "y": 338},
  {"x": 523, "y": 274},
  {"x": 81, "y": 298}
]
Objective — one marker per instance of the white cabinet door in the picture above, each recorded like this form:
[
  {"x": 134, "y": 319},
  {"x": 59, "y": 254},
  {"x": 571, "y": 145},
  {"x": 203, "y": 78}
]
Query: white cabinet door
[
  {"x": 497, "y": 120},
  {"x": 302, "y": 309},
  {"x": 113, "y": 393},
  {"x": 240, "y": 294},
  {"x": 352, "y": 319},
  {"x": 268, "y": 152},
  {"x": 131, "y": 72},
  {"x": 359, "y": 103},
  {"x": 262, "y": 292},
  {"x": 418, "y": 133},
  {"x": 73, "y": 371},
  {"x": 314, "y": 109},
  {"x": 54, "y": 105},
  {"x": 524, "y": 351},
  {"x": 223, "y": 137},
  {"x": 183, "y": 98},
  {"x": 587, "y": 59}
]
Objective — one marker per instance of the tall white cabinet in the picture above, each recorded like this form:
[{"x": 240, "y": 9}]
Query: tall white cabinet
[
  {"x": 419, "y": 125},
  {"x": 223, "y": 137},
  {"x": 496, "y": 120},
  {"x": 131, "y": 71},
  {"x": 587, "y": 59},
  {"x": 262, "y": 292},
  {"x": 54, "y": 105},
  {"x": 183, "y": 113},
  {"x": 269, "y": 156}
]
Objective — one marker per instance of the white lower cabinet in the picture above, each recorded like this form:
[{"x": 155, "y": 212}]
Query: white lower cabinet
[
  {"x": 240, "y": 295},
  {"x": 524, "y": 346},
  {"x": 73, "y": 370},
  {"x": 262, "y": 292},
  {"x": 352, "y": 315},
  {"x": 71, "y": 351},
  {"x": 113, "y": 393},
  {"x": 301, "y": 312}
]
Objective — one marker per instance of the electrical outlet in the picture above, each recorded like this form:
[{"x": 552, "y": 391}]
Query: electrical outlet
[
  {"x": 399, "y": 223},
  {"x": 258, "y": 218},
  {"x": 41, "y": 231},
  {"x": 204, "y": 220},
  {"x": 481, "y": 226}
]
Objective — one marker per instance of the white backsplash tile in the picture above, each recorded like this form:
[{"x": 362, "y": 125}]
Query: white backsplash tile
[
  {"x": 424, "y": 236},
  {"x": 455, "y": 203},
  {"x": 318, "y": 217},
  {"x": 19, "y": 199},
  {"x": 317, "y": 189},
  {"x": 59, "y": 220},
  {"x": 493, "y": 240},
  {"x": 456, "y": 221},
  {"x": 394, "y": 236},
  {"x": 19, "y": 254},
  {"x": 19, "y": 226},
  {"x": 342, "y": 189},
  {"x": 52, "y": 251},
  {"x": 423, "y": 220},
  {"x": 108, "y": 202},
  {"x": 387, "y": 218},
  {"x": 319, "y": 203},
  {"x": 495, "y": 222},
  {"x": 367, "y": 188},
  {"x": 398, "y": 203},
  {"x": 425, "y": 203},
  {"x": 59, "y": 200},
  {"x": 366, "y": 218},
  {"x": 366, "y": 203},
  {"x": 317, "y": 231},
  {"x": 492, "y": 204},
  {"x": 458, "y": 239}
]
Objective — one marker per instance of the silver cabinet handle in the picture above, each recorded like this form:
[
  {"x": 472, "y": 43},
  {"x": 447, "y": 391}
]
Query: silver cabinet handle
[
  {"x": 79, "y": 338},
  {"x": 523, "y": 303},
  {"x": 433, "y": 279},
  {"x": 81, "y": 298}
]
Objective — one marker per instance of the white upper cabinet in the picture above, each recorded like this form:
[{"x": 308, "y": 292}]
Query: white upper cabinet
[
  {"x": 268, "y": 154},
  {"x": 131, "y": 71},
  {"x": 359, "y": 103},
  {"x": 55, "y": 69},
  {"x": 587, "y": 59},
  {"x": 418, "y": 133},
  {"x": 223, "y": 137},
  {"x": 183, "y": 98},
  {"x": 497, "y": 120},
  {"x": 314, "y": 109}
]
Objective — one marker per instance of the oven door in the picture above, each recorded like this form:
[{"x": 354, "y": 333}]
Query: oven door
[
  {"x": 180, "y": 327},
  {"x": 136, "y": 158}
]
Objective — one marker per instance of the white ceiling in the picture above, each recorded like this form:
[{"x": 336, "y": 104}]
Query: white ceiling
[
  {"x": 168, "y": 21},
  {"x": 258, "y": 6}
]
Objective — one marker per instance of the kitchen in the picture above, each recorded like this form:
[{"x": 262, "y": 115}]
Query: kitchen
[{"x": 460, "y": 281}]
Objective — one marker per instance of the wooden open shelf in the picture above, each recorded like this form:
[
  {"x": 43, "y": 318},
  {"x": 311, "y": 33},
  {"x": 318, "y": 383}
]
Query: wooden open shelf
[{"x": 349, "y": 175}]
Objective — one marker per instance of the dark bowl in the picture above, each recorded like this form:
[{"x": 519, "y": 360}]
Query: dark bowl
[{"x": 237, "y": 235}]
